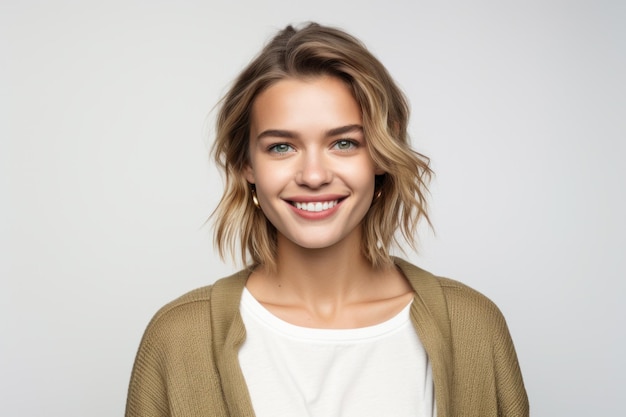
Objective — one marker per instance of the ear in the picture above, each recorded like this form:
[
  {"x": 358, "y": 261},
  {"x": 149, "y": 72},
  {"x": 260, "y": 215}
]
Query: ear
[{"x": 248, "y": 173}]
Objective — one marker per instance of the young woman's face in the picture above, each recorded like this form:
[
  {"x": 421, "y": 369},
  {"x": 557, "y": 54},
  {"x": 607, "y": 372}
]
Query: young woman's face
[{"x": 309, "y": 161}]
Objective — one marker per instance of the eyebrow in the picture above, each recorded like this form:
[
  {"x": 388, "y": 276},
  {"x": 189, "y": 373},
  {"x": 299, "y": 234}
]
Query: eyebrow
[{"x": 287, "y": 134}]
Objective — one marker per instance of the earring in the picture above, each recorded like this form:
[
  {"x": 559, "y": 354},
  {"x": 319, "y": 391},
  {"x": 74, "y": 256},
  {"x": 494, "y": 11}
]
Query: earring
[
  {"x": 378, "y": 193},
  {"x": 255, "y": 200}
]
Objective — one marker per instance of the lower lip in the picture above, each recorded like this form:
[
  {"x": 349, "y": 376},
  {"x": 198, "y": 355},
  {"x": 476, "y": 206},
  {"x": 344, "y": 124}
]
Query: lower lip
[{"x": 316, "y": 215}]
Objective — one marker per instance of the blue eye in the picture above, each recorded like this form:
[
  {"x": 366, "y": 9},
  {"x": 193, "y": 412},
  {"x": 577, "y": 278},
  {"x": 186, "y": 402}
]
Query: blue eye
[
  {"x": 345, "y": 145},
  {"x": 280, "y": 148}
]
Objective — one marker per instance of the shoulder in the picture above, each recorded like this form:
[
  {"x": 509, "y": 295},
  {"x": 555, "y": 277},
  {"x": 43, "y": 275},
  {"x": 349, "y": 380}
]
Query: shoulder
[
  {"x": 475, "y": 320},
  {"x": 462, "y": 298},
  {"x": 185, "y": 308},
  {"x": 175, "y": 365},
  {"x": 464, "y": 305},
  {"x": 190, "y": 315},
  {"x": 173, "y": 325},
  {"x": 474, "y": 333}
]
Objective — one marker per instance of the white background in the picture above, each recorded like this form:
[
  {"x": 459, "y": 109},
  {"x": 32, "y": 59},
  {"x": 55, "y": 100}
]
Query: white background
[{"x": 106, "y": 183}]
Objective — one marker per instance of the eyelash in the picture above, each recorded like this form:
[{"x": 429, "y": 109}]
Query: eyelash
[
  {"x": 272, "y": 148},
  {"x": 353, "y": 145}
]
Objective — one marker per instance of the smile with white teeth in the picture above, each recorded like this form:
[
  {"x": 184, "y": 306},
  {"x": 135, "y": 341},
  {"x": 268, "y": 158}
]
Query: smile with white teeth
[{"x": 315, "y": 206}]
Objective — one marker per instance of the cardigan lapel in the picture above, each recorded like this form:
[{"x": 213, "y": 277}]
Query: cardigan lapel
[
  {"x": 429, "y": 315},
  {"x": 228, "y": 334}
]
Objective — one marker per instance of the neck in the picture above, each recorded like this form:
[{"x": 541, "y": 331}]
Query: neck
[
  {"x": 339, "y": 274},
  {"x": 327, "y": 273},
  {"x": 334, "y": 287}
]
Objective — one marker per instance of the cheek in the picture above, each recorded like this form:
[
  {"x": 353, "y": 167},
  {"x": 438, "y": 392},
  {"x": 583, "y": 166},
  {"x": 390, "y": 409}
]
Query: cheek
[
  {"x": 361, "y": 175},
  {"x": 270, "y": 183}
]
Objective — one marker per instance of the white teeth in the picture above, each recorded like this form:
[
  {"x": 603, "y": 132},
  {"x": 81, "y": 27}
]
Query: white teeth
[{"x": 317, "y": 206}]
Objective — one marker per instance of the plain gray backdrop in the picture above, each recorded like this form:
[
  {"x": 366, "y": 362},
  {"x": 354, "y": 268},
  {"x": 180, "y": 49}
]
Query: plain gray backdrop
[{"x": 105, "y": 181}]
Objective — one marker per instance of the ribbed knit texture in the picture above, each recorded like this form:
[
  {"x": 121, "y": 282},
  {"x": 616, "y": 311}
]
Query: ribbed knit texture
[{"x": 187, "y": 363}]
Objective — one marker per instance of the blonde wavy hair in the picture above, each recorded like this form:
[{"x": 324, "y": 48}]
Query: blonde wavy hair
[{"x": 315, "y": 50}]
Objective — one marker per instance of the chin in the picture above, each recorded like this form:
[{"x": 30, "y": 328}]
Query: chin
[{"x": 316, "y": 244}]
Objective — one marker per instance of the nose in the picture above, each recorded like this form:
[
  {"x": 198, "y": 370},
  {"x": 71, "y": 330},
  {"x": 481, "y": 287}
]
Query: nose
[{"x": 314, "y": 171}]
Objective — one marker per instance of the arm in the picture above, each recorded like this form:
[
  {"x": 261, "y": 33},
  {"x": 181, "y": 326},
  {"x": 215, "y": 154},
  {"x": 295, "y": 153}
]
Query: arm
[
  {"x": 147, "y": 394},
  {"x": 487, "y": 377},
  {"x": 175, "y": 374},
  {"x": 512, "y": 398}
]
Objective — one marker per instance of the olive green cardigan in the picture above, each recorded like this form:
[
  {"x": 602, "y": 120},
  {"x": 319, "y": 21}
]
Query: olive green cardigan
[{"x": 187, "y": 364}]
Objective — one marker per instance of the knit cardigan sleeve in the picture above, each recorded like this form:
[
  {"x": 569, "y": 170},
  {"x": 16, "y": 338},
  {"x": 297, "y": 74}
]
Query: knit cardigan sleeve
[
  {"x": 174, "y": 374},
  {"x": 487, "y": 376},
  {"x": 512, "y": 398},
  {"x": 147, "y": 390}
]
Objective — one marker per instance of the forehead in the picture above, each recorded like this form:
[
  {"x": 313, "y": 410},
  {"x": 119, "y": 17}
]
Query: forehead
[{"x": 296, "y": 103}]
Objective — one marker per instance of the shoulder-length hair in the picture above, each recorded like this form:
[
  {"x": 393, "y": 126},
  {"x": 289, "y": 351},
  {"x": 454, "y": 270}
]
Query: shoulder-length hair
[{"x": 315, "y": 50}]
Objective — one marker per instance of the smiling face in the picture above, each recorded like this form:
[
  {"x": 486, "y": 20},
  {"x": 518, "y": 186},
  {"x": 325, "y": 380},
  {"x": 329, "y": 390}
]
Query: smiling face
[{"x": 309, "y": 161}]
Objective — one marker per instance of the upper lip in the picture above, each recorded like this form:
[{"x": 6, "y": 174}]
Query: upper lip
[{"x": 314, "y": 198}]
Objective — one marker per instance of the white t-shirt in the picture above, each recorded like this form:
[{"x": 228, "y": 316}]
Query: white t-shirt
[{"x": 294, "y": 371}]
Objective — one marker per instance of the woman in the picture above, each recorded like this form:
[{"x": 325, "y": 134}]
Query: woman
[{"x": 320, "y": 177}]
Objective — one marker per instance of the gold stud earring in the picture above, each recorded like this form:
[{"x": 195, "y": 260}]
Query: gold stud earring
[{"x": 255, "y": 200}]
